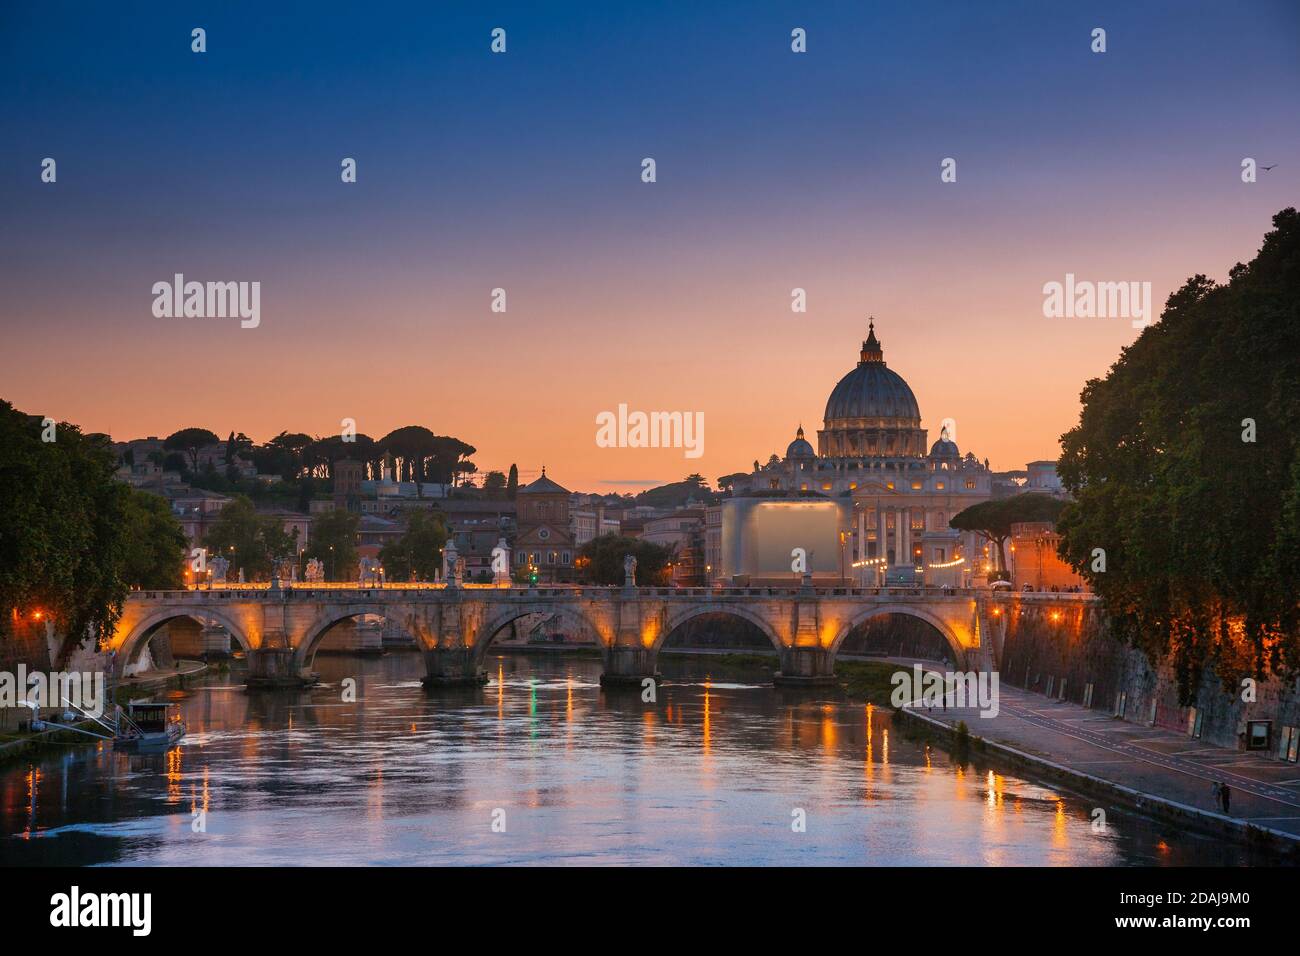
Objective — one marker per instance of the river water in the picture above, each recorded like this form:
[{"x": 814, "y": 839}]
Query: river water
[{"x": 542, "y": 767}]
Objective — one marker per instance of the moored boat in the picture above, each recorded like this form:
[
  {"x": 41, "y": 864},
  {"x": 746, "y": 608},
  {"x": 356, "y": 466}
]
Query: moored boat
[{"x": 149, "y": 725}]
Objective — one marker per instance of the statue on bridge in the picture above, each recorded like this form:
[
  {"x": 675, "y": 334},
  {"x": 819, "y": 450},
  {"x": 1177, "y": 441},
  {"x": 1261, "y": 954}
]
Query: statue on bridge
[
  {"x": 501, "y": 564},
  {"x": 369, "y": 573},
  {"x": 218, "y": 566},
  {"x": 629, "y": 570},
  {"x": 315, "y": 572},
  {"x": 451, "y": 564}
]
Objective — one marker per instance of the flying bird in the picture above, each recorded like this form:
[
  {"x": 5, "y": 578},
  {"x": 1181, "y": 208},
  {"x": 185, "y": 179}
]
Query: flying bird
[{"x": 1267, "y": 168}]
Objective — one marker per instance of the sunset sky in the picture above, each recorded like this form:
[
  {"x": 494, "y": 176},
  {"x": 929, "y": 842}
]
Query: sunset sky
[{"x": 523, "y": 171}]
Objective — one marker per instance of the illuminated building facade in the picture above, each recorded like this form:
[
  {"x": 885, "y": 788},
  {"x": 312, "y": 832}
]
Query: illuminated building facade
[{"x": 896, "y": 495}]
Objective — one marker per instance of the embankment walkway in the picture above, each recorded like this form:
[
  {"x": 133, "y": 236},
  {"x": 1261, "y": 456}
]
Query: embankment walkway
[{"x": 1156, "y": 769}]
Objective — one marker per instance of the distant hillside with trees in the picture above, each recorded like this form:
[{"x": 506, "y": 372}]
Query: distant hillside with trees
[{"x": 303, "y": 465}]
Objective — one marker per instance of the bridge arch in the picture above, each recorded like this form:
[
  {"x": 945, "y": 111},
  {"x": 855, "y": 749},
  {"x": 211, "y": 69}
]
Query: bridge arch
[
  {"x": 143, "y": 632},
  {"x": 959, "y": 650},
  {"x": 319, "y": 628},
  {"x": 494, "y": 625},
  {"x": 678, "y": 618}
]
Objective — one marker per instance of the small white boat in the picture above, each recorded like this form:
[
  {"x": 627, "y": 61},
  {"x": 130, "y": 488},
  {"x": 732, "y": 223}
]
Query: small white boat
[{"x": 148, "y": 725}]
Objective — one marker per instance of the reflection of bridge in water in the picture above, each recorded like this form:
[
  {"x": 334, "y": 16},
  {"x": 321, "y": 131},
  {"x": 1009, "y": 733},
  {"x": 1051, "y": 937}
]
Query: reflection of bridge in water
[{"x": 280, "y": 629}]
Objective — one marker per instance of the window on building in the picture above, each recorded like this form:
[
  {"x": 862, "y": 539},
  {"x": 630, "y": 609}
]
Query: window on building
[
  {"x": 939, "y": 485},
  {"x": 566, "y": 558},
  {"x": 1258, "y": 733},
  {"x": 1289, "y": 747},
  {"x": 970, "y": 484}
]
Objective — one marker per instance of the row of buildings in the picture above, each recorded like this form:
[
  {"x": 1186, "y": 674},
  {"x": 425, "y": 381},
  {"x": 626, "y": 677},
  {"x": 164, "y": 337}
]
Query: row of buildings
[{"x": 869, "y": 505}]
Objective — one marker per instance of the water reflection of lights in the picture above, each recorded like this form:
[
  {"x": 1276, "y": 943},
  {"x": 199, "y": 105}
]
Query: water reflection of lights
[
  {"x": 759, "y": 729},
  {"x": 375, "y": 801},
  {"x": 828, "y": 734},
  {"x": 870, "y": 761},
  {"x": 33, "y": 787},
  {"x": 174, "y": 775},
  {"x": 708, "y": 715}
]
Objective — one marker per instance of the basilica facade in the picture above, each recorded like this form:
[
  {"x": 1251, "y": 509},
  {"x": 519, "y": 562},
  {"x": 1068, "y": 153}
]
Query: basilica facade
[{"x": 896, "y": 493}]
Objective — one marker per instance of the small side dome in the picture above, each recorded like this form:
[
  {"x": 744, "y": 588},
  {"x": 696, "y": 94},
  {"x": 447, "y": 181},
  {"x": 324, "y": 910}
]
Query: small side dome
[
  {"x": 800, "y": 448},
  {"x": 945, "y": 449}
]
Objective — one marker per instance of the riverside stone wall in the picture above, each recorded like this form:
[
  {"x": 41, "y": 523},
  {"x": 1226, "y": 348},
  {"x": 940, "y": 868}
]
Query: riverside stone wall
[{"x": 1065, "y": 649}]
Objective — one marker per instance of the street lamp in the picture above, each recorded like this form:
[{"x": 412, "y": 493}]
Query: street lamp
[{"x": 843, "y": 535}]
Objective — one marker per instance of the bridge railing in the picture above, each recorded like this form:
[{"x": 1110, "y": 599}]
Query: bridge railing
[
  {"x": 1041, "y": 597},
  {"x": 354, "y": 593}
]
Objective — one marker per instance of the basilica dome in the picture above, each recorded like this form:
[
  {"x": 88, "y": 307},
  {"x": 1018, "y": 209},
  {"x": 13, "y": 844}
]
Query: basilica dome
[
  {"x": 872, "y": 390},
  {"x": 872, "y": 411},
  {"x": 944, "y": 448},
  {"x": 800, "y": 447}
]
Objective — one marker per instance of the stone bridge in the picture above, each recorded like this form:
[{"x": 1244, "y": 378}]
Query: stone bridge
[{"x": 281, "y": 628}]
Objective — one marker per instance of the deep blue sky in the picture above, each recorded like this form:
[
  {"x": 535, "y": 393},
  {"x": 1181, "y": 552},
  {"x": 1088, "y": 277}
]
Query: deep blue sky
[{"x": 477, "y": 171}]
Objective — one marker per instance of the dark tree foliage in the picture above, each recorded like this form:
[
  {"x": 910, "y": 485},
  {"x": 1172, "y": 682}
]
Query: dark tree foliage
[
  {"x": 417, "y": 554},
  {"x": 1200, "y": 525},
  {"x": 605, "y": 556},
  {"x": 283, "y": 455},
  {"x": 334, "y": 542},
  {"x": 249, "y": 541},
  {"x": 993, "y": 519},
  {"x": 494, "y": 485},
  {"x": 155, "y": 544},
  {"x": 321, "y": 455},
  {"x": 426, "y": 457},
  {"x": 63, "y": 528},
  {"x": 190, "y": 441},
  {"x": 726, "y": 481},
  {"x": 675, "y": 494}
]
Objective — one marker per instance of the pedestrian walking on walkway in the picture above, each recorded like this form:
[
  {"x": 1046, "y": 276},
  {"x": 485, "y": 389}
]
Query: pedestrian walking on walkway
[
  {"x": 1216, "y": 789},
  {"x": 1225, "y": 793}
]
